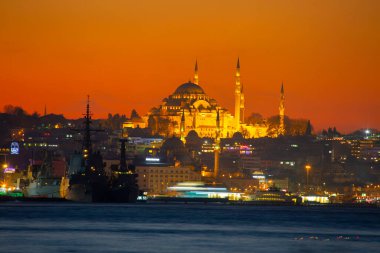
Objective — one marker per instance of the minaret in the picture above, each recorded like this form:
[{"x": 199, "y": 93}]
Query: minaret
[
  {"x": 281, "y": 129},
  {"x": 217, "y": 145},
  {"x": 45, "y": 111},
  {"x": 242, "y": 105},
  {"x": 182, "y": 126},
  {"x": 237, "y": 96},
  {"x": 196, "y": 72}
]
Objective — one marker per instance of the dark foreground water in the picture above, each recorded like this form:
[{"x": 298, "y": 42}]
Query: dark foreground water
[{"x": 61, "y": 227}]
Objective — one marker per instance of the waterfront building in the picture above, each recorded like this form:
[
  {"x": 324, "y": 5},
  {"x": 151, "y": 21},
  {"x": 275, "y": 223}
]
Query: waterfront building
[
  {"x": 365, "y": 149},
  {"x": 155, "y": 180},
  {"x": 140, "y": 145}
]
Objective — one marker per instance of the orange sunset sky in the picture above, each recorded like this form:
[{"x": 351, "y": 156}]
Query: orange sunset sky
[{"x": 132, "y": 54}]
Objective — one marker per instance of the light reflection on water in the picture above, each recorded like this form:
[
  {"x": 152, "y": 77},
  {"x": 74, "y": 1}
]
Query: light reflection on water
[{"x": 61, "y": 227}]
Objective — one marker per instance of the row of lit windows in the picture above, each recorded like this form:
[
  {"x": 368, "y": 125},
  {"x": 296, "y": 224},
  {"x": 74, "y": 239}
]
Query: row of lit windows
[
  {"x": 40, "y": 145},
  {"x": 165, "y": 171},
  {"x": 168, "y": 176},
  {"x": 189, "y": 96},
  {"x": 171, "y": 107},
  {"x": 164, "y": 181},
  {"x": 271, "y": 194},
  {"x": 270, "y": 199}
]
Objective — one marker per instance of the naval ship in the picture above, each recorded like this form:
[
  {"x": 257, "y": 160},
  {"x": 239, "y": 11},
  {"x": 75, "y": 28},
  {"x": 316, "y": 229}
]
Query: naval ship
[
  {"x": 87, "y": 180},
  {"x": 123, "y": 184},
  {"x": 43, "y": 179}
]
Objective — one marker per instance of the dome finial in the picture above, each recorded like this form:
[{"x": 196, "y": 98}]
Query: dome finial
[
  {"x": 196, "y": 72},
  {"x": 282, "y": 87}
]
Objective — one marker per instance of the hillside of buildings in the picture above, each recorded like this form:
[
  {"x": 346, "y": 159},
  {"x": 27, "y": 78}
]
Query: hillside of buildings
[{"x": 338, "y": 163}]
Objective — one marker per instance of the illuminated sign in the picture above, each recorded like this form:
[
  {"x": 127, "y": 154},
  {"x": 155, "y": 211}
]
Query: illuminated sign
[
  {"x": 9, "y": 170},
  {"x": 15, "y": 149},
  {"x": 152, "y": 159}
]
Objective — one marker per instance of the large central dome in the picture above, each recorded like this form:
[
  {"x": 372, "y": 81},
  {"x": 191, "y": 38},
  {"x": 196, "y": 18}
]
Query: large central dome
[{"x": 189, "y": 88}]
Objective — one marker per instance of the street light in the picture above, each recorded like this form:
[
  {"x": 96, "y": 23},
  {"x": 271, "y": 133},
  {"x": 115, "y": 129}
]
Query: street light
[
  {"x": 308, "y": 168},
  {"x": 5, "y": 165}
]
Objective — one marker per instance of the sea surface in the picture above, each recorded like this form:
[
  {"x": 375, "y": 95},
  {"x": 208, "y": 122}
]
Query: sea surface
[{"x": 181, "y": 228}]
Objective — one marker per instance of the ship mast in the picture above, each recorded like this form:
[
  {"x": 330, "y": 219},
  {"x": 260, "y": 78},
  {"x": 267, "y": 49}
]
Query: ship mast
[
  {"x": 87, "y": 147},
  {"x": 86, "y": 131},
  {"x": 123, "y": 160}
]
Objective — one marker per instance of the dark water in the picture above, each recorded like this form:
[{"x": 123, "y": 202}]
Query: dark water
[{"x": 61, "y": 227}]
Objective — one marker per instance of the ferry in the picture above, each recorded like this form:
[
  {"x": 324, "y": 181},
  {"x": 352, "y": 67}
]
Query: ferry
[
  {"x": 273, "y": 195},
  {"x": 198, "y": 192}
]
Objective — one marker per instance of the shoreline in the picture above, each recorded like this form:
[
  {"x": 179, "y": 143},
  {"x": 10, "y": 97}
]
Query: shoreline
[{"x": 178, "y": 201}]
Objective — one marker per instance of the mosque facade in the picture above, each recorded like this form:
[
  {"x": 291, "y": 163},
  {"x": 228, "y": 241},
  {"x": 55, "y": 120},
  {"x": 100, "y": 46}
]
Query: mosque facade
[{"x": 189, "y": 108}]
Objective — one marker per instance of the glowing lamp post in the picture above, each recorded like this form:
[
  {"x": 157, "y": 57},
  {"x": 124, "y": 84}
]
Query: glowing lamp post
[{"x": 308, "y": 168}]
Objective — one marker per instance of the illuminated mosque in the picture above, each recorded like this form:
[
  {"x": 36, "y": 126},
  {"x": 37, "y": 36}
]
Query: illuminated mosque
[{"x": 189, "y": 108}]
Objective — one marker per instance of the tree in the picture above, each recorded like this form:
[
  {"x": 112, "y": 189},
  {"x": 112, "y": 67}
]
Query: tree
[
  {"x": 292, "y": 126},
  {"x": 308, "y": 129},
  {"x": 238, "y": 137},
  {"x": 36, "y": 115},
  {"x": 173, "y": 148},
  {"x": 255, "y": 118},
  {"x": 135, "y": 115},
  {"x": 160, "y": 125},
  {"x": 14, "y": 110},
  {"x": 296, "y": 127},
  {"x": 193, "y": 141}
]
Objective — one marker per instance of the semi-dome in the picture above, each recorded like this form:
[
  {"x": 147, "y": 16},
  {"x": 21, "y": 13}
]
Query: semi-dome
[{"x": 189, "y": 88}]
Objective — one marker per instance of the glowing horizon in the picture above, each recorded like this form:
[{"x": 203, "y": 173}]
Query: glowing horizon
[{"x": 130, "y": 55}]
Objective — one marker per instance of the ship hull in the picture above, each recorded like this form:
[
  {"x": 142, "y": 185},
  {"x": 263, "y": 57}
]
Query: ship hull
[
  {"x": 43, "y": 189},
  {"x": 78, "y": 193},
  {"x": 123, "y": 189},
  {"x": 101, "y": 192},
  {"x": 122, "y": 195},
  {"x": 87, "y": 192}
]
